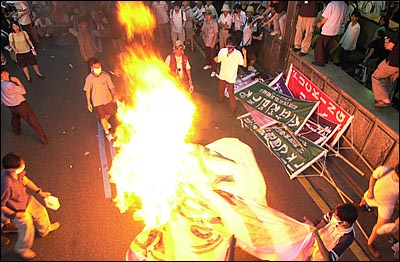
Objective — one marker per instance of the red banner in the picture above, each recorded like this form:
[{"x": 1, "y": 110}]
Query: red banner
[{"x": 303, "y": 88}]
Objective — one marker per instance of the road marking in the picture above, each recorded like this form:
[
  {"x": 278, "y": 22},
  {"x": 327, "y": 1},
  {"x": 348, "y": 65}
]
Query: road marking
[{"x": 103, "y": 159}]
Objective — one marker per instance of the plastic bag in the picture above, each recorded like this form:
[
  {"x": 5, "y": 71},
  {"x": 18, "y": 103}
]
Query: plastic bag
[{"x": 360, "y": 73}]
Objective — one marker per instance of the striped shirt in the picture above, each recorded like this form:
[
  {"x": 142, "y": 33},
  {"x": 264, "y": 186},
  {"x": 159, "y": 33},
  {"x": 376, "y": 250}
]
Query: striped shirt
[{"x": 160, "y": 9}]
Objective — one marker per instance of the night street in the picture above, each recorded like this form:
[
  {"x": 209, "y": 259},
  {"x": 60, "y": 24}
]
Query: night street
[{"x": 92, "y": 227}]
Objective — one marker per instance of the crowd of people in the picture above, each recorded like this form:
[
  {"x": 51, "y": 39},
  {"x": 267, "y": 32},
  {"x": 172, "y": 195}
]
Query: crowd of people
[{"x": 231, "y": 32}]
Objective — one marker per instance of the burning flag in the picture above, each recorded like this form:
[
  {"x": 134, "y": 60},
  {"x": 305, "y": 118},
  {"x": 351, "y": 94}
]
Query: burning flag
[{"x": 191, "y": 198}]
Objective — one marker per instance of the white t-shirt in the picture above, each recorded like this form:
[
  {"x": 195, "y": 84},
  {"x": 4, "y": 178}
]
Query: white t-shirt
[
  {"x": 24, "y": 12},
  {"x": 229, "y": 64},
  {"x": 176, "y": 21},
  {"x": 349, "y": 39},
  {"x": 225, "y": 19},
  {"x": 336, "y": 12}
]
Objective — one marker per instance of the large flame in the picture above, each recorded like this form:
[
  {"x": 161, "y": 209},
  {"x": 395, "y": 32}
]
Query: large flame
[{"x": 153, "y": 127}]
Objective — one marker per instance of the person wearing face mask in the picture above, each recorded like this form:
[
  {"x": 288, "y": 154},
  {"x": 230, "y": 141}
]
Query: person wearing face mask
[
  {"x": 24, "y": 210},
  {"x": 230, "y": 60},
  {"x": 100, "y": 95},
  {"x": 334, "y": 233}
]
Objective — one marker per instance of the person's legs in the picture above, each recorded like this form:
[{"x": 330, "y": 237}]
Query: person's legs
[
  {"x": 26, "y": 233},
  {"x": 277, "y": 30},
  {"x": 212, "y": 55},
  {"x": 319, "y": 51},
  {"x": 221, "y": 90},
  {"x": 174, "y": 37},
  {"x": 40, "y": 216},
  {"x": 328, "y": 46},
  {"x": 181, "y": 36},
  {"x": 232, "y": 98},
  {"x": 37, "y": 70},
  {"x": 26, "y": 112},
  {"x": 15, "y": 121},
  {"x": 207, "y": 52},
  {"x": 371, "y": 248},
  {"x": 378, "y": 80},
  {"x": 282, "y": 21},
  {"x": 26, "y": 72},
  {"x": 299, "y": 32},
  {"x": 309, "y": 29}
]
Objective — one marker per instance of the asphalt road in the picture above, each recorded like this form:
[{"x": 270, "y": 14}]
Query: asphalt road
[{"x": 92, "y": 227}]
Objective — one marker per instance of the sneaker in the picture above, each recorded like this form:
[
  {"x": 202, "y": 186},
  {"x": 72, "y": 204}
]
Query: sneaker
[
  {"x": 9, "y": 228},
  {"x": 213, "y": 74},
  {"x": 381, "y": 104},
  {"x": 109, "y": 137},
  {"x": 371, "y": 249},
  {"x": 53, "y": 227},
  {"x": 207, "y": 67},
  {"x": 251, "y": 69},
  {"x": 5, "y": 240},
  {"x": 27, "y": 254},
  {"x": 40, "y": 76},
  {"x": 275, "y": 33}
]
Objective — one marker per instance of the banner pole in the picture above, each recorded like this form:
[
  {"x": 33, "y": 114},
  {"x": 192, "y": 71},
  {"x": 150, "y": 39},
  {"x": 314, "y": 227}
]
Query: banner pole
[
  {"x": 358, "y": 154},
  {"x": 345, "y": 160}
]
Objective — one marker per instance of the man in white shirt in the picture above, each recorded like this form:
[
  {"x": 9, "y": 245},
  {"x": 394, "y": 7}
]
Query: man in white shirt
[
  {"x": 230, "y": 60},
  {"x": 224, "y": 24},
  {"x": 332, "y": 18},
  {"x": 178, "y": 19},
  {"x": 348, "y": 41},
  {"x": 24, "y": 18}
]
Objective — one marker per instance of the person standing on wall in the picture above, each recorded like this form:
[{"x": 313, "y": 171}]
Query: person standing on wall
[{"x": 388, "y": 68}]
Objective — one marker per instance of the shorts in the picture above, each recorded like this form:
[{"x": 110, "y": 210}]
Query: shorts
[
  {"x": 24, "y": 59},
  {"x": 384, "y": 211},
  {"x": 107, "y": 109},
  {"x": 251, "y": 52}
]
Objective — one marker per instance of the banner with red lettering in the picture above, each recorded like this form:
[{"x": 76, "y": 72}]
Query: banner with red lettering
[{"x": 302, "y": 88}]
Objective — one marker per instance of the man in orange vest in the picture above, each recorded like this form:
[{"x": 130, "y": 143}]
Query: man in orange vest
[{"x": 179, "y": 66}]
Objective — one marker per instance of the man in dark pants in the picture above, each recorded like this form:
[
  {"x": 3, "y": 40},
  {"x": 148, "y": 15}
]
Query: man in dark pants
[
  {"x": 332, "y": 18},
  {"x": 12, "y": 92}
]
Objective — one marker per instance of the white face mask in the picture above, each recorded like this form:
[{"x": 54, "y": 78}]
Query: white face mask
[
  {"x": 97, "y": 71},
  {"x": 336, "y": 222},
  {"x": 20, "y": 170}
]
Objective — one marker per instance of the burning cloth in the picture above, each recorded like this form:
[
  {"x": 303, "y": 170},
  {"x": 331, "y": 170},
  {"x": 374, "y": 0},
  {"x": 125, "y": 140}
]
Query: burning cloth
[{"x": 201, "y": 226}]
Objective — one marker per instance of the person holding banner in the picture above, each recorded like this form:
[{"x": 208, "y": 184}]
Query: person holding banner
[
  {"x": 387, "y": 68},
  {"x": 334, "y": 233},
  {"x": 230, "y": 59}
]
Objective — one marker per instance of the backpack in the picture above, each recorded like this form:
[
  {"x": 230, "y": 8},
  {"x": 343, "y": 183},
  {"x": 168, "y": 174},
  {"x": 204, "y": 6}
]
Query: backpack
[{"x": 171, "y": 13}]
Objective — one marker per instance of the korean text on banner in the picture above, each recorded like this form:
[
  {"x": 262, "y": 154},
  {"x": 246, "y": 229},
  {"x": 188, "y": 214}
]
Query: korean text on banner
[
  {"x": 303, "y": 88},
  {"x": 290, "y": 111},
  {"x": 317, "y": 129},
  {"x": 295, "y": 152}
]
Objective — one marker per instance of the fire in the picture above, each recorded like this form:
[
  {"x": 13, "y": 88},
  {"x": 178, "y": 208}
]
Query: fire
[
  {"x": 136, "y": 17},
  {"x": 153, "y": 128}
]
